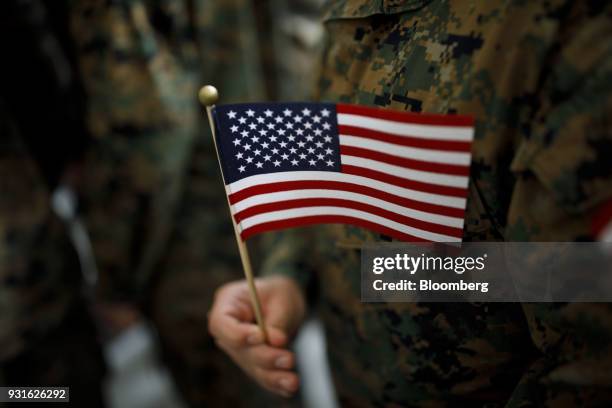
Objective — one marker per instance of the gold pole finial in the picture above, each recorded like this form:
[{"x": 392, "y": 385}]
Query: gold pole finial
[{"x": 208, "y": 95}]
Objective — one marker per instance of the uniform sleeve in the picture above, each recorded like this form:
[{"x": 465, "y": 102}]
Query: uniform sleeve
[{"x": 564, "y": 177}]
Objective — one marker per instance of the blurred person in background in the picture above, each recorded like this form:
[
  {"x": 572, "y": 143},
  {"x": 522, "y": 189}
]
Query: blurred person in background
[{"x": 105, "y": 92}]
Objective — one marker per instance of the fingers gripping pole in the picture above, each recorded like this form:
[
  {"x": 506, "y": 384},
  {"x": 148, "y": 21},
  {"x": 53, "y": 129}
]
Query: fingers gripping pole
[{"x": 208, "y": 96}]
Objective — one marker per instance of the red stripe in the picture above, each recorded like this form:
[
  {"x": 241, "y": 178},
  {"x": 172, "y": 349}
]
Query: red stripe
[
  {"x": 327, "y": 219},
  {"x": 350, "y": 187},
  {"x": 402, "y": 182},
  {"x": 454, "y": 169},
  {"x": 407, "y": 117},
  {"x": 335, "y": 202},
  {"x": 412, "y": 141}
]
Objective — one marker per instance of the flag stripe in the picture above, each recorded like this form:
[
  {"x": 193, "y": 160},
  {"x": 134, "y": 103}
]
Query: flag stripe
[
  {"x": 462, "y": 134},
  {"x": 405, "y": 162},
  {"x": 447, "y": 206},
  {"x": 343, "y": 212},
  {"x": 445, "y": 145},
  {"x": 446, "y": 196},
  {"x": 407, "y": 117},
  {"x": 429, "y": 181},
  {"x": 296, "y": 196},
  {"x": 333, "y": 202}
]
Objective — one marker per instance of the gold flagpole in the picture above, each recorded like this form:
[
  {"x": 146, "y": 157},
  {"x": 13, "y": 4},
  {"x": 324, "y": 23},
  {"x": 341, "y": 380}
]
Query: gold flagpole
[{"x": 208, "y": 96}]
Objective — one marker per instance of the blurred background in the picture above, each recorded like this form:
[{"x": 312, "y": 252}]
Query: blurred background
[{"x": 114, "y": 230}]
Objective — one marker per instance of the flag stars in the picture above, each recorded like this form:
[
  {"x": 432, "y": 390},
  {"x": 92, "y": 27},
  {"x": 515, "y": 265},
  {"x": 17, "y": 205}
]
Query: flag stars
[
  {"x": 268, "y": 113},
  {"x": 260, "y": 120},
  {"x": 326, "y": 126},
  {"x": 278, "y": 119},
  {"x": 289, "y": 125},
  {"x": 301, "y": 144},
  {"x": 231, "y": 114},
  {"x": 297, "y": 118},
  {"x": 291, "y": 138},
  {"x": 252, "y": 126},
  {"x": 247, "y": 147},
  {"x": 273, "y": 138},
  {"x": 242, "y": 120},
  {"x": 281, "y": 132},
  {"x": 299, "y": 132},
  {"x": 294, "y": 162},
  {"x": 241, "y": 169},
  {"x": 330, "y": 163},
  {"x": 263, "y": 132},
  {"x": 236, "y": 142},
  {"x": 270, "y": 126},
  {"x": 318, "y": 132},
  {"x": 306, "y": 112},
  {"x": 309, "y": 138},
  {"x": 276, "y": 163},
  {"x": 302, "y": 156},
  {"x": 285, "y": 156},
  {"x": 250, "y": 113},
  {"x": 249, "y": 160},
  {"x": 319, "y": 145},
  {"x": 265, "y": 145},
  {"x": 312, "y": 162},
  {"x": 328, "y": 151},
  {"x": 239, "y": 155},
  {"x": 320, "y": 156},
  {"x": 307, "y": 125},
  {"x": 244, "y": 133},
  {"x": 293, "y": 150},
  {"x": 255, "y": 139},
  {"x": 283, "y": 144},
  {"x": 267, "y": 157},
  {"x": 275, "y": 151},
  {"x": 257, "y": 152},
  {"x": 311, "y": 150},
  {"x": 325, "y": 113},
  {"x": 259, "y": 165},
  {"x": 327, "y": 139},
  {"x": 316, "y": 119},
  {"x": 287, "y": 112},
  {"x": 234, "y": 129}
]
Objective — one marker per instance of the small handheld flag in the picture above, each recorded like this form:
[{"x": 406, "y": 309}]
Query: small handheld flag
[{"x": 402, "y": 174}]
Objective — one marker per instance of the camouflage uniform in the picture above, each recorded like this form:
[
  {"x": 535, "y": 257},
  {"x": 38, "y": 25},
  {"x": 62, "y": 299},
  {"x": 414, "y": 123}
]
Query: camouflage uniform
[
  {"x": 152, "y": 196},
  {"x": 46, "y": 334},
  {"x": 536, "y": 77}
]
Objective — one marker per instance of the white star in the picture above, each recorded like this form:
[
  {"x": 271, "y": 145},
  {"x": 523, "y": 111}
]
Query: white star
[
  {"x": 234, "y": 129},
  {"x": 265, "y": 145},
  {"x": 281, "y": 132},
  {"x": 257, "y": 152},
  {"x": 268, "y": 112},
  {"x": 291, "y": 138},
  {"x": 302, "y": 156},
  {"x": 307, "y": 125},
  {"x": 252, "y": 126},
  {"x": 316, "y": 119},
  {"x": 297, "y": 118},
  {"x": 289, "y": 125},
  {"x": 283, "y": 144},
  {"x": 300, "y": 132},
  {"x": 327, "y": 139},
  {"x": 293, "y": 150},
  {"x": 275, "y": 151},
  {"x": 267, "y": 157},
  {"x": 319, "y": 145},
  {"x": 276, "y": 163},
  {"x": 328, "y": 151},
  {"x": 311, "y": 150},
  {"x": 312, "y": 162},
  {"x": 270, "y": 126},
  {"x": 247, "y": 147},
  {"x": 330, "y": 163},
  {"x": 259, "y": 165},
  {"x": 255, "y": 139},
  {"x": 285, "y": 156},
  {"x": 241, "y": 169},
  {"x": 320, "y": 156},
  {"x": 278, "y": 119},
  {"x": 239, "y": 155},
  {"x": 242, "y": 120},
  {"x": 305, "y": 111},
  {"x": 244, "y": 133},
  {"x": 273, "y": 138},
  {"x": 260, "y": 120},
  {"x": 301, "y": 144},
  {"x": 249, "y": 160},
  {"x": 294, "y": 162},
  {"x": 231, "y": 114},
  {"x": 325, "y": 113},
  {"x": 326, "y": 126},
  {"x": 309, "y": 138},
  {"x": 236, "y": 142},
  {"x": 250, "y": 113},
  {"x": 318, "y": 132},
  {"x": 263, "y": 132},
  {"x": 287, "y": 112}
]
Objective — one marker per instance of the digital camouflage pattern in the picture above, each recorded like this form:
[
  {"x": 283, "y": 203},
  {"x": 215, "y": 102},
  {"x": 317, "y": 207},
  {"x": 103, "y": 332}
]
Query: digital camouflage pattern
[{"x": 537, "y": 78}]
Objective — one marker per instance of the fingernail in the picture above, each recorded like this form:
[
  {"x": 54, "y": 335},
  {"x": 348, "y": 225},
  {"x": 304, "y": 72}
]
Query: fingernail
[
  {"x": 286, "y": 384},
  {"x": 283, "y": 362},
  {"x": 253, "y": 339}
]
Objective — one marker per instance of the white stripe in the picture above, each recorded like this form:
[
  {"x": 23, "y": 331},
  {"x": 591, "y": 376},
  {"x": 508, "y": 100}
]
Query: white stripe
[
  {"x": 259, "y": 179},
  {"x": 313, "y": 211},
  {"x": 428, "y": 155},
  {"x": 346, "y": 195},
  {"x": 416, "y": 175},
  {"x": 458, "y": 133}
]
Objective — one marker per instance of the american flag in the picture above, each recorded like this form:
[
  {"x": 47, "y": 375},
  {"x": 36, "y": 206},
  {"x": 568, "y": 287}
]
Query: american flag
[{"x": 401, "y": 174}]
